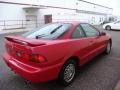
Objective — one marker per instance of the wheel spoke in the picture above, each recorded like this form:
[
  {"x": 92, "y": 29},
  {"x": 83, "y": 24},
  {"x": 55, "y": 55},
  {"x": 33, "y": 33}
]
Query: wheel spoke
[{"x": 69, "y": 72}]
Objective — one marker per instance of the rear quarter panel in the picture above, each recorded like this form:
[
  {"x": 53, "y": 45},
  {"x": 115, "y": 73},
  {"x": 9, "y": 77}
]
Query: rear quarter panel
[{"x": 57, "y": 52}]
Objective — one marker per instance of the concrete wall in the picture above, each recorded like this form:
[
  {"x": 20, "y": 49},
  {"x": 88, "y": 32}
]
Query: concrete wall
[
  {"x": 75, "y": 10},
  {"x": 8, "y": 13},
  {"x": 92, "y": 7},
  {"x": 63, "y": 14}
]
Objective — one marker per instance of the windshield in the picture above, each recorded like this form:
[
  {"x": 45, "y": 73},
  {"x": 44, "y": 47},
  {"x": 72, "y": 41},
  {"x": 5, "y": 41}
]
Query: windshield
[{"x": 49, "y": 31}]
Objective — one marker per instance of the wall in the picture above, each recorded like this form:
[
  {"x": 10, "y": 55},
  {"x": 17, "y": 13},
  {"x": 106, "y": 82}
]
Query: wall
[
  {"x": 63, "y": 15},
  {"x": 16, "y": 12},
  {"x": 92, "y": 7},
  {"x": 11, "y": 12}
]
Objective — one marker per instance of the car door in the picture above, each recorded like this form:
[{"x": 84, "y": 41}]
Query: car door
[
  {"x": 92, "y": 35},
  {"x": 116, "y": 25},
  {"x": 81, "y": 44}
]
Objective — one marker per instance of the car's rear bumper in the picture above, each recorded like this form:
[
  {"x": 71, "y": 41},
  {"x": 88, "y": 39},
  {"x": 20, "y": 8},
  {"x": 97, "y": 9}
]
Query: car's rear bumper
[{"x": 31, "y": 73}]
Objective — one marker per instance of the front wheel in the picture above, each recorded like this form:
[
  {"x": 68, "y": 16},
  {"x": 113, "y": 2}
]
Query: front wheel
[
  {"x": 108, "y": 48},
  {"x": 68, "y": 73}
]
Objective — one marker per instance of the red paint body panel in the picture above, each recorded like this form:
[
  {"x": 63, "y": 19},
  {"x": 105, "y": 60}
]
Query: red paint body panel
[
  {"x": 56, "y": 53},
  {"x": 29, "y": 72}
]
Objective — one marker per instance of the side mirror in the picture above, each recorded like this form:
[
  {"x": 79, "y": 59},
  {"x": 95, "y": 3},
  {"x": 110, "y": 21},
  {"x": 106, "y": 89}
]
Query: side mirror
[{"x": 102, "y": 33}]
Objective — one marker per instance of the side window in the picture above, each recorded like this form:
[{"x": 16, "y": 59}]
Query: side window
[
  {"x": 78, "y": 33},
  {"x": 89, "y": 30},
  {"x": 117, "y": 22}
]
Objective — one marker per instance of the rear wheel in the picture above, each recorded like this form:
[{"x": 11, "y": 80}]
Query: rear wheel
[
  {"x": 68, "y": 73},
  {"x": 108, "y": 27}
]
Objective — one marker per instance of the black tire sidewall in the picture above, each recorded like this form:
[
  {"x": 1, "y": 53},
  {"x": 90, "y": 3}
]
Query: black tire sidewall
[
  {"x": 106, "y": 28},
  {"x": 61, "y": 75},
  {"x": 106, "y": 48}
]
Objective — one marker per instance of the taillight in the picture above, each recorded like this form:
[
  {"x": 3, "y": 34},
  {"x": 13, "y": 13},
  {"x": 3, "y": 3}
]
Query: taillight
[{"x": 37, "y": 58}]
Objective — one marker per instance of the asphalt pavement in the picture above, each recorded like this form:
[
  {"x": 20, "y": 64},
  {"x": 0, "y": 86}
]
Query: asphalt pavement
[{"x": 102, "y": 73}]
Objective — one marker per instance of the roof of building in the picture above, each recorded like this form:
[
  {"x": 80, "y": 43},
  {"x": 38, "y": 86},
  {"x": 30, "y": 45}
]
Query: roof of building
[
  {"x": 95, "y": 4},
  {"x": 71, "y": 22}
]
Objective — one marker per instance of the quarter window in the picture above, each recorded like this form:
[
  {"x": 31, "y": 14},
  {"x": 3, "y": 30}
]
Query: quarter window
[
  {"x": 78, "y": 33},
  {"x": 89, "y": 30}
]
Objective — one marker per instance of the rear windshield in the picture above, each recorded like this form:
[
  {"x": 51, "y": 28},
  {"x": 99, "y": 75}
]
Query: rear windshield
[{"x": 48, "y": 32}]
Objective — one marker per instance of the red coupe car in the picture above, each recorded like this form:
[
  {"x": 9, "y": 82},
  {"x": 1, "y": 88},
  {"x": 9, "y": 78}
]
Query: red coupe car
[{"x": 55, "y": 51}]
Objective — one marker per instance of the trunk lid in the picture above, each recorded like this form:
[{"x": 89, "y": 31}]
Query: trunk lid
[{"x": 20, "y": 48}]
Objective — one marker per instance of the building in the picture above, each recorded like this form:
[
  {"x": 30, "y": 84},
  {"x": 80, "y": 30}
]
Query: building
[{"x": 33, "y": 13}]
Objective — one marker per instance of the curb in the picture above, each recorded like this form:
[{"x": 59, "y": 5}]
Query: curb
[{"x": 13, "y": 31}]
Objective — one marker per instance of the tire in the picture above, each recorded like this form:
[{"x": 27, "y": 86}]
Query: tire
[
  {"x": 108, "y": 48},
  {"x": 108, "y": 27},
  {"x": 68, "y": 73}
]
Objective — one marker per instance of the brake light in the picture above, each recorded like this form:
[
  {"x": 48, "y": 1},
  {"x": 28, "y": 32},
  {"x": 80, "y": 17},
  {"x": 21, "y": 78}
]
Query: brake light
[{"x": 37, "y": 58}]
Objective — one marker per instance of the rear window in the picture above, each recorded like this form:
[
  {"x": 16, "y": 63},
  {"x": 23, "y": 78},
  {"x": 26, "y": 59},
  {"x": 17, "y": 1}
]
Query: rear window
[{"x": 48, "y": 32}]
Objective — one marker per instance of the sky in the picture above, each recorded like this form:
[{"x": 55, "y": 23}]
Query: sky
[{"x": 115, "y": 4}]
